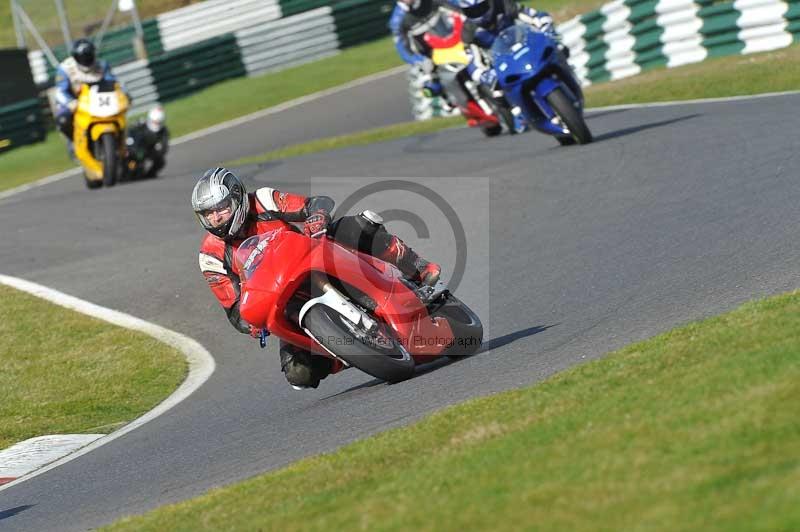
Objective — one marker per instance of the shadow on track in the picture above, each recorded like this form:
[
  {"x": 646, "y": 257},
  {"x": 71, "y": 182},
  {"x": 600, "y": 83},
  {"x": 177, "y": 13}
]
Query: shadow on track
[
  {"x": 642, "y": 127},
  {"x": 490, "y": 345},
  {"x": 596, "y": 114},
  {"x": 11, "y": 512},
  {"x": 506, "y": 339}
]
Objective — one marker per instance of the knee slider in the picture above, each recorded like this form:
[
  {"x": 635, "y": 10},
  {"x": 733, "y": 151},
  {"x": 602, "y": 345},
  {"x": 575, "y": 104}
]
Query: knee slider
[
  {"x": 304, "y": 369},
  {"x": 372, "y": 218},
  {"x": 299, "y": 374}
]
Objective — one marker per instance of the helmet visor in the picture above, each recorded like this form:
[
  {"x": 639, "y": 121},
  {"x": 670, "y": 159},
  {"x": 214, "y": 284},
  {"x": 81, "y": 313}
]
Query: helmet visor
[
  {"x": 218, "y": 214},
  {"x": 476, "y": 11}
]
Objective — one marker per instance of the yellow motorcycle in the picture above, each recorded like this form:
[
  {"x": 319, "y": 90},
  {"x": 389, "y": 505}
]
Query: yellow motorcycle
[{"x": 99, "y": 132}]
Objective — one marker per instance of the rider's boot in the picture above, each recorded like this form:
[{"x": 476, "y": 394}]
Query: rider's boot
[
  {"x": 520, "y": 124},
  {"x": 410, "y": 264},
  {"x": 303, "y": 369}
]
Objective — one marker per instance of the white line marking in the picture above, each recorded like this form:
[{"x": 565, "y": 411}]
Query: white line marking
[
  {"x": 697, "y": 101},
  {"x": 27, "y": 456},
  {"x": 201, "y": 363},
  {"x": 38, "y": 183}
]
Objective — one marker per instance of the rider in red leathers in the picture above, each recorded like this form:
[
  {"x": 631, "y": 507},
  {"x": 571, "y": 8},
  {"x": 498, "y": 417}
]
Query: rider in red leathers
[{"x": 231, "y": 215}]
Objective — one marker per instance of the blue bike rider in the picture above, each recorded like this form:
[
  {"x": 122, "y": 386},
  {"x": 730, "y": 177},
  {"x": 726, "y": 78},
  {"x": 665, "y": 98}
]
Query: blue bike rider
[
  {"x": 485, "y": 20},
  {"x": 409, "y": 22}
]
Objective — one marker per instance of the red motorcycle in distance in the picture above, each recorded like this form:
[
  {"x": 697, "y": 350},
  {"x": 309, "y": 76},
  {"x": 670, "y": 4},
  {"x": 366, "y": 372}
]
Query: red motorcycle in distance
[
  {"x": 334, "y": 301},
  {"x": 484, "y": 110}
]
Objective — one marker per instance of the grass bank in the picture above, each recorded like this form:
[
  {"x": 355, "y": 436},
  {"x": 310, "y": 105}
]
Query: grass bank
[
  {"x": 66, "y": 373},
  {"x": 694, "y": 429},
  {"x": 361, "y": 138}
]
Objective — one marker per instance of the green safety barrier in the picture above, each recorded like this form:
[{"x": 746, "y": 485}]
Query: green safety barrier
[
  {"x": 191, "y": 68},
  {"x": 21, "y": 123}
]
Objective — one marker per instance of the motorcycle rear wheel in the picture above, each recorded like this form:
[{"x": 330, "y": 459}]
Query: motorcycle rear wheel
[
  {"x": 571, "y": 116},
  {"x": 373, "y": 353},
  {"x": 109, "y": 144}
]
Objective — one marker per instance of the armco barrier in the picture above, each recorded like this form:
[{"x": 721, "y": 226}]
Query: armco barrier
[
  {"x": 21, "y": 123},
  {"x": 195, "y": 67},
  {"x": 201, "y": 21},
  {"x": 300, "y": 38},
  {"x": 624, "y": 37},
  {"x": 139, "y": 82},
  {"x": 359, "y": 21}
]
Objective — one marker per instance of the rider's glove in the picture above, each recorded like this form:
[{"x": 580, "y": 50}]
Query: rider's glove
[
  {"x": 489, "y": 77},
  {"x": 541, "y": 20},
  {"x": 72, "y": 105},
  {"x": 316, "y": 224}
]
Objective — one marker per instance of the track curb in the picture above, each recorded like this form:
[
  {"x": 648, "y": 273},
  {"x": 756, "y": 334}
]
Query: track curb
[{"x": 201, "y": 363}]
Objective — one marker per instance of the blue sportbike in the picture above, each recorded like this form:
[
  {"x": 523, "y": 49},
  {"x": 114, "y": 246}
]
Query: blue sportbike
[{"x": 534, "y": 75}]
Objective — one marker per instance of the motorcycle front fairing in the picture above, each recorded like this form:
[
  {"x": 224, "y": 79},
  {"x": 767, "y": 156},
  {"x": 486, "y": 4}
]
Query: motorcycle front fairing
[
  {"x": 276, "y": 266},
  {"x": 101, "y": 109},
  {"x": 529, "y": 67}
]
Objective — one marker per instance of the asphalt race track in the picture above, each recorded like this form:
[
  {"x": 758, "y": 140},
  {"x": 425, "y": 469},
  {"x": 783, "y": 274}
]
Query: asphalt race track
[{"x": 673, "y": 214}]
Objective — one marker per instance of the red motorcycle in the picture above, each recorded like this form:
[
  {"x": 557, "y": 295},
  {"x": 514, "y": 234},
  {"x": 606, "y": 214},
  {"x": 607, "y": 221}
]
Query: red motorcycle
[
  {"x": 334, "y": 301},
  {"x": 484, "y": 110}
]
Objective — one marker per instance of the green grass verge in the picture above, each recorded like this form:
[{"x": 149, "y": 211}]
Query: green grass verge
[
  {"x": 737, "y": 75},
  {"x": 696, "y": 429},
  {"x": 216, "y": 104},
  {"x": 66, "y": 373},
  {"x": 361, "y": 138},
  {"x": 728, "y": 76}
]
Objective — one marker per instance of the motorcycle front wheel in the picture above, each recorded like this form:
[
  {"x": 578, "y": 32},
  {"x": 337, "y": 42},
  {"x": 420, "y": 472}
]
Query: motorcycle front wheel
[
  {"x": 376, "y": 353},
  {"x": 570, "y": 115},
  {"x": 109, "y": 146}
]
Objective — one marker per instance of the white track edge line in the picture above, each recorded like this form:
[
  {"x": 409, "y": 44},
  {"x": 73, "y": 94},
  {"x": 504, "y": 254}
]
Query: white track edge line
[
  {"x": 721, "y": 99},
  {"x": 201, "y": 363}
]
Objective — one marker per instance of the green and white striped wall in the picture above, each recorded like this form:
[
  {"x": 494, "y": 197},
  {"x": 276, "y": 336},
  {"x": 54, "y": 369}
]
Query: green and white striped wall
[{"x": 625, "y": 37}]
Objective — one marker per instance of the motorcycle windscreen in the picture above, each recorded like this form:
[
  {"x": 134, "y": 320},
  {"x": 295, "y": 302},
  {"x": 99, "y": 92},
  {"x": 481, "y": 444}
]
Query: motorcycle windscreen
[
  {"x": 252, "y": 252},
  {"x": 510, "y": 41}
]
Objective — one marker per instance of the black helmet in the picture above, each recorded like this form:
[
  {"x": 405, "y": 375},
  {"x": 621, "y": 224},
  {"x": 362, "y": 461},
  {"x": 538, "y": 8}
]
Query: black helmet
[
  {"x": 83, "y": 52},
  {"x": 219, "y": 190}
]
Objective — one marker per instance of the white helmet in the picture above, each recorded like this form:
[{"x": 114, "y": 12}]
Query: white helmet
[{"x": 155, "y": 119}]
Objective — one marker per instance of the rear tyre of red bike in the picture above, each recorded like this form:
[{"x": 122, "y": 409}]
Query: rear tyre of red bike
[{"x": 377, "y": 353}]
